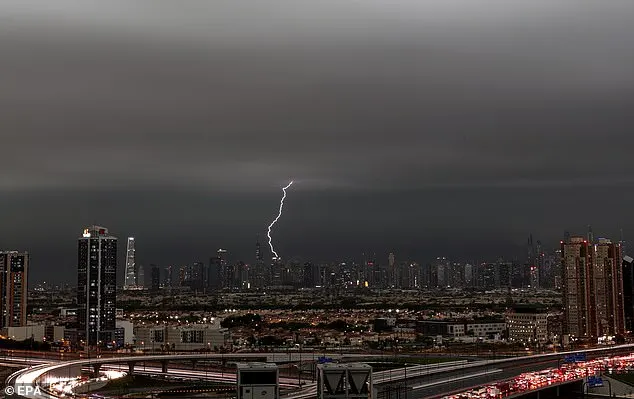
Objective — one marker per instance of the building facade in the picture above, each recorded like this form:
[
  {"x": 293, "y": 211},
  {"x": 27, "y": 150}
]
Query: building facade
[
  {"x": 193, "y": 337},
  {"x": 527, "y": 326},
  {"x": 130, "y": 265},
  {"x": 592, "y": 288},
  {"x": 628, "y": 292},
  {"x": 96, "y": 285},
  {"x": 577, "y": 286},
  {"x": 608, "y": 284},
  {"x": 14, "y": 267}
]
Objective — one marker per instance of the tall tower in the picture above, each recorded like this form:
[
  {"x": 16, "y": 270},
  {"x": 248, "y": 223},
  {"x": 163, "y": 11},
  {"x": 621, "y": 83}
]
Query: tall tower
[
  {"x": 593, "y": 288},
  {"x": 14, "y": 268},
  {"x": 577, "y": 286},
  {"x": 628, "y": 292},
  {"x": 608, "y": 283},
  {"x": 130, "y": 266},
  {"x": 258, "y": 250},
  {"x": 391, "y": 271},
  {"x": 225, "y": 270},
  {"x": 96, "y": 285},
  {"x": 156, "y": 278}
]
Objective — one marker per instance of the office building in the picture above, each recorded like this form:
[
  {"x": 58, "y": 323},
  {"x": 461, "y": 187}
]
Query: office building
[
  {"x": 130, "y": 265},
  {"x": 96, "y": 285},
  {"x": 527, "y": 325},
  {"x": 14, "y": 267}
]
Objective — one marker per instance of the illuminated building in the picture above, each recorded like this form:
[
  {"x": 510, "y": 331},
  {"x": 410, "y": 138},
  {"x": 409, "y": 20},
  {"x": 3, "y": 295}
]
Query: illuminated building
[
  {"x": 14, "y": 267},
  {"x": 592, "y": 287},
  {"x": 130, "y": 266},
  {"x": 576, "y": 261},
  {"x": 96, "y": 285},
  {"x": 628, "y": 292},
  {"x": 608, "y": 284},
  {"x": 527, "y": 325}
]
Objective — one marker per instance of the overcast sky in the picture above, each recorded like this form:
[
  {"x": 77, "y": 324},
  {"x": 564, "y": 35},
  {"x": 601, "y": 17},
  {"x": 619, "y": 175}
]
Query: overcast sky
[{"x": 428, "y": 128}]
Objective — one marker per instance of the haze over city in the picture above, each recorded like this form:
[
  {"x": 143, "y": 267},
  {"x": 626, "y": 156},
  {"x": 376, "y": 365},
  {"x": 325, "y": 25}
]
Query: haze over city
[{"x": 420, "y": 128}]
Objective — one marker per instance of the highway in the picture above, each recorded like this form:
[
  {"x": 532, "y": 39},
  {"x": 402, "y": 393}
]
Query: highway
[
  {"x": 421, "y": 381},
  {"x": 458, "y": 378}
]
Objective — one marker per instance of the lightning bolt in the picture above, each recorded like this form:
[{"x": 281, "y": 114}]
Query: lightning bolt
[{"x": 277, "y": 218}]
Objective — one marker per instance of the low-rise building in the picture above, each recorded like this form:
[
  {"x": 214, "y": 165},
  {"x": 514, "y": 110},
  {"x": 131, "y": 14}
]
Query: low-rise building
[
  {"x": 441, "y": 327},
  {"x": 37, "y": 332},
  {"x": 183, "y": 338},
  {"x": 486, "y": 329},
  {"x": 527, "y": 325}
]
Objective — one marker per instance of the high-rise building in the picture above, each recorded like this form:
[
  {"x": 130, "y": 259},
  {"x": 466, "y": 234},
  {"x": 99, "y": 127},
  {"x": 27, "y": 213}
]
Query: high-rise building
[
  {"x": 628, "y": 292},
  {"x": 14, "y": 267},
  {"x": 577, "y": 285},
  {"x": 608, "y": 284},
  {"x": 130, "y": 266},
  {"x": 214, "y": 272},
  {"x": 468, "y": 275},
  {"x": 183, "y": 276},
  {"x": 96, "y": 285},
  {"x": 140, "y": 276},
  {"x": 167, "y": 277},
  {"x": 156, "y": 278},
  {"x": 197, "y": 279},
  {"x": 392, "y": 272},
  {"x": 258, "y": 250},
  {"x": 592, "y": 287}
]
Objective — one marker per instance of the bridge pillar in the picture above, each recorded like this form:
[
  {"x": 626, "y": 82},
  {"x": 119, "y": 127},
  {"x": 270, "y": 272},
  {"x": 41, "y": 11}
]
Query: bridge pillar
[
  {"x": 96, "y": 367},
  {"x": 131, "y": 367},
  {"x": 194, "y": 362},
  {"x": 164, "y": 365}
]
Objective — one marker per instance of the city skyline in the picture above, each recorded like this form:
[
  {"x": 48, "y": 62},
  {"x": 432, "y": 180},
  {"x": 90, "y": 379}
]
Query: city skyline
[
  {"x": 425, "y": 128},
  {"x": 260, "y": 254}
]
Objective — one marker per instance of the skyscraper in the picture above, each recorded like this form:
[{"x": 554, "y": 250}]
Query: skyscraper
[
  {"x": 96, "y": 285},
  {"x": 628, "y": 292},
  {"x": 392, "y": 272},
  {"x": 592, "y": 287},
  {"x": 258, "y": 250},
  {"x": 14, "y": 268},
  {"x": 156, "y": 278},
  {"x": 140, "y": 277},
  {"x": 577, "y": 285},
  {"x": 130, "y": 265},
  {"x": 608, "y": 284},
  {"x": 167, "y": 277},
  {"x": 198, "y": 280}
]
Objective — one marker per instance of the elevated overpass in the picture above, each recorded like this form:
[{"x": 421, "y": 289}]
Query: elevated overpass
[
  {"x": 460, "y": 377},
  {"x": 418, "y": 381}
]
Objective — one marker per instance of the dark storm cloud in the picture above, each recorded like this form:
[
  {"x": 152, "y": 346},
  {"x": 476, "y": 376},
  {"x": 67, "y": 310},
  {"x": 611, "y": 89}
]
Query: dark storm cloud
[{"x": 233, "y": 97}]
